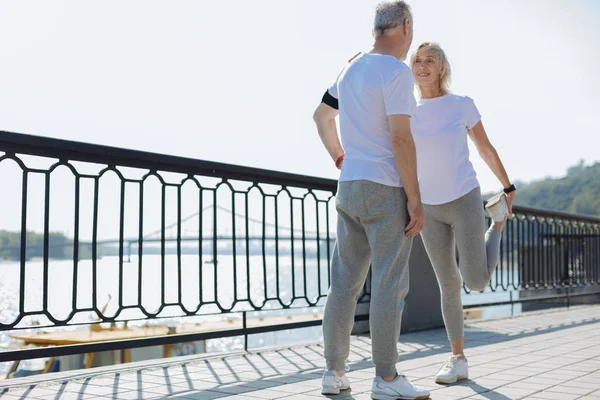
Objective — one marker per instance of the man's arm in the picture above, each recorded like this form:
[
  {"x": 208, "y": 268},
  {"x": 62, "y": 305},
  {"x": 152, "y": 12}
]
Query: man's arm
[
  {"x": 324, "y": 117},
  {"x": 403, "y": 148}
]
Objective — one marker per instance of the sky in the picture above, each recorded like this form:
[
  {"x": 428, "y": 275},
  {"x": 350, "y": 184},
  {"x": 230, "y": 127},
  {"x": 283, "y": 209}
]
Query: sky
[{"x": 237, "y": 81}]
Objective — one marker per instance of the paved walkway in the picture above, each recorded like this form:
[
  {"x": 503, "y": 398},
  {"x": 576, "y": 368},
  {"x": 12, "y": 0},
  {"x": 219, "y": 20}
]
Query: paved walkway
[{"x": 553, "y": 354}]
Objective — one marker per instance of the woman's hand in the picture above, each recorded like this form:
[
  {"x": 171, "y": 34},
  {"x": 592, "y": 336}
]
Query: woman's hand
[{"x": 509, "y": 200}]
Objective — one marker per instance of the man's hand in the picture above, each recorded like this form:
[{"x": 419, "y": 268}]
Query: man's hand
[
  {"x": 405, "y": 155},
  {"x": 416, "y": 218}
]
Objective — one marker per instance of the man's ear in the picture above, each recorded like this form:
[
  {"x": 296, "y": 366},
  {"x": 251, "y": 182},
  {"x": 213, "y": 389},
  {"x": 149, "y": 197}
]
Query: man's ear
[{"x": 407, "y": 26}]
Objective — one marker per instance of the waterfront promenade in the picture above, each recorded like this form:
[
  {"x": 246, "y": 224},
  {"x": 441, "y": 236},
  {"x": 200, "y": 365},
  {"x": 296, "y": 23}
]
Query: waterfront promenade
[
  {"x": 552, "y": 354},
  {"x": 156, "y": 233}
]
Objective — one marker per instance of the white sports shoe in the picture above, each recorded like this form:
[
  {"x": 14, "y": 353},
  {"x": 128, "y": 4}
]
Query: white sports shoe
[
  {"x": 456, "y": 369},
  {"x": 333, "y": 382},
  {"x": 497, "y": 207},
  {"x": 399, "y": 388}
]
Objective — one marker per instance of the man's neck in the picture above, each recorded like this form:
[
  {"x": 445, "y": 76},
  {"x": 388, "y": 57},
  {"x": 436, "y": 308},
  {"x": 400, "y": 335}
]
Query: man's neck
[{"x": 384, "y": 47}]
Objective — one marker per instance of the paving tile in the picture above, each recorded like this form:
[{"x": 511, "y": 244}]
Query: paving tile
[
  {"x": 528, "y": 356},
  {"x": 69, "y": 396},
  {"x": 268, "y": 394},
  {"x": 532, "y": 385},
  {"x": 237, "y": 397},
  {"x": 554, "y": 395},
  {"x": 571, "y": 390},
  {"x": 362, "y": 396},
  {"x": 586, "y": 385},
  {"x": 489, "y": 396},
  {"x": 514, "y": 392},
  {"x": 134, "y": 395},
  {"x": 294, "y": 388},
  {"x": 461, "y": 391},
  {"x": 308, "y": 397},
  {"x": 195, "y": 395},
  {"x": 195, "y": 385},
  {"x": 490, "y": 382},
  {"x": 586, "y": 379}
]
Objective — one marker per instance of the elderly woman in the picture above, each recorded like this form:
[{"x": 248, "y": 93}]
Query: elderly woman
[{"x": 454, "y": 215}]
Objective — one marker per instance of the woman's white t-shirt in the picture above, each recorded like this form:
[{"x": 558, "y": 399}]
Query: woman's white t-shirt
[{"x": 440, "y": 129}]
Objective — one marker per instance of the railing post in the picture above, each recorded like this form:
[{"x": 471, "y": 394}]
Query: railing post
[{"x": 245, "y": 326}]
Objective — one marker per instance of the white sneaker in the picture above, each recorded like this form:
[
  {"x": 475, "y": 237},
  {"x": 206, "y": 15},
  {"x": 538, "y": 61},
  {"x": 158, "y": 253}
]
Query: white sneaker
[
  {"x": 333, "y": 382},
  {"x": 454, "y": 370},
  {"x": 497, "y": 207},
  {"x": 399, "y": 388}
]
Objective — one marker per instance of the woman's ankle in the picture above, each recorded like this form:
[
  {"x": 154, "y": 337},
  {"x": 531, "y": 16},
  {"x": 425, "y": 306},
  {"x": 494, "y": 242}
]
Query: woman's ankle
[{"x": 498, "y": 226}]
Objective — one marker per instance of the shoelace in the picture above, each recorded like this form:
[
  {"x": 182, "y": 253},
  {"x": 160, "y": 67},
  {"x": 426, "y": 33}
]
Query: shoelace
[
  {"x": 401, "y": 376},
  {"x": 450, "y": 363},
  {"x": 448, "y": 366}
]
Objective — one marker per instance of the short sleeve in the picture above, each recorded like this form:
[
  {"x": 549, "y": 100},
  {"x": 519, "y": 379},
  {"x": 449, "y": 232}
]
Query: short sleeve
[
  {"x": 331, "y": 96},
  {"x": 333, "y": 90},
  {"x": 398, "y": 94},
  {"x": 472, "y": 113}
]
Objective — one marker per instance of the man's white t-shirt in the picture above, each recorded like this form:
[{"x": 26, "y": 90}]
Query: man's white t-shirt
[
  {"x": 440, "y": 130},
  {"x": 369, "y": 89}
]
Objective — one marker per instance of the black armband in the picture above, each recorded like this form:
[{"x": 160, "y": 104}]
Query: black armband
[{"x": 330, "y": 100}]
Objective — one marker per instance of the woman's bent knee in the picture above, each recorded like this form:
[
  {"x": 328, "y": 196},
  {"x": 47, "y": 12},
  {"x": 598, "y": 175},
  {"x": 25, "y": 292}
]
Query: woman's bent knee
[{"x": 477, "y": 284}]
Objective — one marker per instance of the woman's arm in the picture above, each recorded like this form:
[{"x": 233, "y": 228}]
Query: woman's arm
[{"x": 489, "y": 154}]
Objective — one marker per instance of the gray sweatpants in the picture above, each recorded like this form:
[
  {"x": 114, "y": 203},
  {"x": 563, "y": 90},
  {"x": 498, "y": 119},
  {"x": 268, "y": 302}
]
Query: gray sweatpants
[
  {"x": 478, "y": 250},
  {"x": 370, "y": 230}
]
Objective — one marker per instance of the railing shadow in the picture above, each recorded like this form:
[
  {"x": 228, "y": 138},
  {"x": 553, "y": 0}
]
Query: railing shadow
[{"x": 236, "y": 375}]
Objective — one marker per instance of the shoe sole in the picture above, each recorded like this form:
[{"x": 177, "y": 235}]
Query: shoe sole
[
  {"x": 338, "y": 392},
  {"x": 494, "y": 203},
  {"x": 459, "y": 378},
  {"x": 388, "y": 397}
]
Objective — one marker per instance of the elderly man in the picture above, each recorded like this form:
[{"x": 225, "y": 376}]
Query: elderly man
[{"x": 378, "y": 200}]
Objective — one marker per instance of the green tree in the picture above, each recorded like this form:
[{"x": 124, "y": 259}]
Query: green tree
[{"x": 577, "y": 192}]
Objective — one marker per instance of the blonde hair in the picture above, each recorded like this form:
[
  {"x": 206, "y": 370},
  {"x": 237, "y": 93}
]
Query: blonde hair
[{"x": 445, "y": 77}]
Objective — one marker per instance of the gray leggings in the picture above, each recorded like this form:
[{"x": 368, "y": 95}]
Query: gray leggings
[
  {"x": 370, "y": 231},
  {"x": 461, "y": 220}
]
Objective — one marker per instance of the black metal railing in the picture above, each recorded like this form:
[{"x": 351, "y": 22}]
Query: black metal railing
[
  {"x": 161, "y": 236},
  {"x": 546, "y": 249},
  {"x": 154, "y": 237},
  {"x": 546, "y": 255}
]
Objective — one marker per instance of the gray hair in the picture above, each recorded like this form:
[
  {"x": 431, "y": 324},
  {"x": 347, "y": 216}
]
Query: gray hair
[{"x": 391, "y": 14}]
